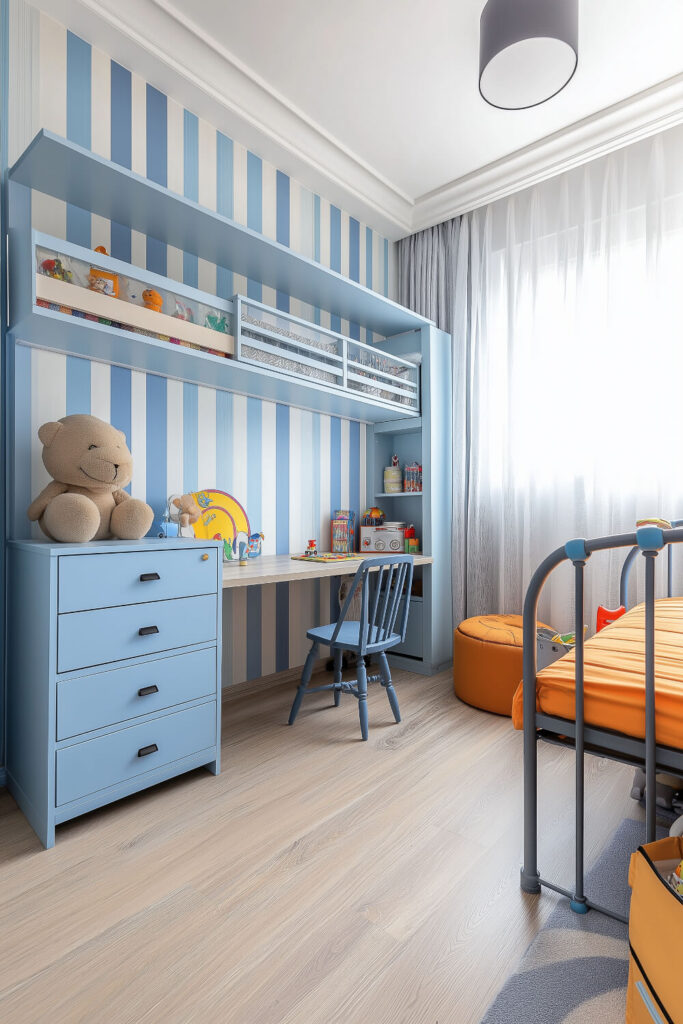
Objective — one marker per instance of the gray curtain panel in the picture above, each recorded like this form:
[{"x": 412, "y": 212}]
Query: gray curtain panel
[{"x": 433, "y": 279}]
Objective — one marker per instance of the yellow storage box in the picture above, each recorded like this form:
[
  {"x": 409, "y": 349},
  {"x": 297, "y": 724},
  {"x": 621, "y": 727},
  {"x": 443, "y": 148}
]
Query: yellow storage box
[{"x": 655, "y": 986}]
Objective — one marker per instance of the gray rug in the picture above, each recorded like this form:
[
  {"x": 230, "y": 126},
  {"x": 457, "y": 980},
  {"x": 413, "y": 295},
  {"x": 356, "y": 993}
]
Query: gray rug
[{"x": 576, "y": 969}]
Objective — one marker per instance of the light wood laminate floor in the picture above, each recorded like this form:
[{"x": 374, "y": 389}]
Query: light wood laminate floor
[{"x": 319, "y": 879}]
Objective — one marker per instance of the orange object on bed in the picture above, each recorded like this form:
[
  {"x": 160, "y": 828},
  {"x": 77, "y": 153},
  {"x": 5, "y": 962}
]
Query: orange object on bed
[{"x": 614, "y": 677}]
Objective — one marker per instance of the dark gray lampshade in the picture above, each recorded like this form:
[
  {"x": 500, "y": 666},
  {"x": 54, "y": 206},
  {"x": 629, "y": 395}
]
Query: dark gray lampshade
[{"x": 528, "y": 50}]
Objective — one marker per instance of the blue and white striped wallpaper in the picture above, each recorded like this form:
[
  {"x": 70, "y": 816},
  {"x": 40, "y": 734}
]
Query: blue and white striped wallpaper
[{"x": 289, "y": 467}]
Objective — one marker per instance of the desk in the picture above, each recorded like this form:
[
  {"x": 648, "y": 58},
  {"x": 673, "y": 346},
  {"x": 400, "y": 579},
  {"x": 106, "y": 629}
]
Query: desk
[{"x": 282, "y": 569}]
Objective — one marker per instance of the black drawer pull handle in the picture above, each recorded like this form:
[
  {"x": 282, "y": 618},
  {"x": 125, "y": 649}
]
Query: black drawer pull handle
[
  {"x": 146, "y": 690},
  {"x": 151, "y": 749},
  {"x": 147, "y": 630},
  {"x": 145, "y": 577}
]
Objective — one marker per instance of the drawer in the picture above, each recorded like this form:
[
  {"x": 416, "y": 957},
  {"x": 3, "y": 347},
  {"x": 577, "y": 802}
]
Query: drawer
[
  {"x": 98, "y": 764},
  {"x": 132, "y": 577},
  {"x": 107, "y": 698},
  {"x": 113, "y": 634}
]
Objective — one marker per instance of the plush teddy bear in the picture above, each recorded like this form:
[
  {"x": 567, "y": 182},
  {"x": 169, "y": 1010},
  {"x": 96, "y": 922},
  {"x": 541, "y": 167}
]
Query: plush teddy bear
[
  {"x": 91, "y": 464},
  {"x": 188, "y": 510}
]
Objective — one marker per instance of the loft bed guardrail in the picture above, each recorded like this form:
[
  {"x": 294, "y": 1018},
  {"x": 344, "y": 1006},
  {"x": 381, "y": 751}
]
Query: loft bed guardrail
[{"x": 647, "y": 753}]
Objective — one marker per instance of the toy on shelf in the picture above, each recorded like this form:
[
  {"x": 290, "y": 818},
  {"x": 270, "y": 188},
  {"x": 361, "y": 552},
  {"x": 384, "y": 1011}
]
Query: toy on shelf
[
  {"x": 392, "y": 477},
  {"x": 412, "y": 478},
  {"x": 102, "y": 280},
  {"x": 216, "y": 322},
  {"x": 182, "y": 512},
  {"x": 387, "y": 537},
  {"x": 183, "y": 312},
  {"x": 55, "y": 268},
  {"x": 255, "y": 545},
  {"x": 373, "y": 517},
  {"x": 342, "y": 531},
  {"x": 90, "y": 464},
  {"x": 606, "y": 616},
  {"x": 311, "y": 549},
  {"x": 152, "y": 300},
  {"x": 223, "y": 518}
]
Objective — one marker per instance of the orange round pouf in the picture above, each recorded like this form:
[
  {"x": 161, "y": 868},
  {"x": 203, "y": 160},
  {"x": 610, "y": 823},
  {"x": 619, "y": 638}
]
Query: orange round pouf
[{"x": 487, "y": 661}]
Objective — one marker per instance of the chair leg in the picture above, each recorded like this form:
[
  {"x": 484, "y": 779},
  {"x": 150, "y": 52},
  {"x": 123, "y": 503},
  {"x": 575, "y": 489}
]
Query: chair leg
[
  {"x": 362, "y": 696},
  {"x": 338, "y": 659},
  {"x": 305, "y": 680},
  {"x": 389, "y": 686}
]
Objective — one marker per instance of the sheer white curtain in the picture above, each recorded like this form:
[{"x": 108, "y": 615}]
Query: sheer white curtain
[{"x": 565, "y": 302}]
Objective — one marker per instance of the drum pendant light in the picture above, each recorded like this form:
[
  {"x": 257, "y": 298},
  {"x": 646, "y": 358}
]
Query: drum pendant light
[{"x": 528, "y": 50}]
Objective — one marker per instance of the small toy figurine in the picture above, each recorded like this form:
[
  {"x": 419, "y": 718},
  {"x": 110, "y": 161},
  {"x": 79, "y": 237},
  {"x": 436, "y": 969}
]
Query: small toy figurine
[
  {"x": 254, "y": 546},
  {"x": 54, "y": 268},
  {"x": 675, "y": 879},
  {"x": 216, "y": 322},
  {"x": 152, "y": 300},
  {"x": 394, "y": 461},
  {"x": 183, "y": 312},
  {"x": 189, "y": 511},
  {"x": 240, "y": 546},
  {"x": 312, "y": 549},
  {"x": 183, "y": 510}
]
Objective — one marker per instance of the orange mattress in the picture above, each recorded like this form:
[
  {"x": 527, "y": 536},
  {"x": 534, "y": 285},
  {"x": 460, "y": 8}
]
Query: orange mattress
[{"x": 614, "y": 677}]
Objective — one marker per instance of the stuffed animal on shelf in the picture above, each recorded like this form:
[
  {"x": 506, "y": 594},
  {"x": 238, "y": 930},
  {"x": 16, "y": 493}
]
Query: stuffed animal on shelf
[
  {"x": 90, "y": 464},
  {"x": 152, "y": 300},
  {"x": 188, "y": 509}
]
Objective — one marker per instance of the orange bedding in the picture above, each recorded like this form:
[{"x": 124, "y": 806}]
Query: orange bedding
[{"x": 614, "y": 677}]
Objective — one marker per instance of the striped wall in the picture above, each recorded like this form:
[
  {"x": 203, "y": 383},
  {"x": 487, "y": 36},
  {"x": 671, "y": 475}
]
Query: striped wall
[{"x": 289, "y": 467}]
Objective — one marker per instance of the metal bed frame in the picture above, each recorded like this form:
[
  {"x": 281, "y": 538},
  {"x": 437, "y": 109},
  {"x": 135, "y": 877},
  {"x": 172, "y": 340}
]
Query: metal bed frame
[{"x": 647, "y": 754}]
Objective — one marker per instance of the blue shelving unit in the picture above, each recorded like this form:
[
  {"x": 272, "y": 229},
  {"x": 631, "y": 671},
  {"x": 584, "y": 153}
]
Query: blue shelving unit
[{"x": 68, "y": 172}]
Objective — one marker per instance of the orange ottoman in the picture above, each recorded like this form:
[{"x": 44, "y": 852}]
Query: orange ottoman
[{"x": 487, "y": 661}]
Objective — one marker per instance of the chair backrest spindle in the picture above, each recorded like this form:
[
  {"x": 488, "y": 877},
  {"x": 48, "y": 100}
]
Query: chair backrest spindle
[{"x": 391, "y": 579}]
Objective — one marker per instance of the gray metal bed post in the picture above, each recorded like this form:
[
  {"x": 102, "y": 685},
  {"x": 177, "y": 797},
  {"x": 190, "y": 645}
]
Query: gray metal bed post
[
  {"x": 650, "y": 730},
  {"x": 529, "y": 875},
  {"x": 576, "y": 550},
  {"x": 625, "y": 575}
]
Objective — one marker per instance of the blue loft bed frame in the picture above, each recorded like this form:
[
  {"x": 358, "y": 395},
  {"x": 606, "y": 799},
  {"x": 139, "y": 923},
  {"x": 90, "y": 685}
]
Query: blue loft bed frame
[{"x": 647, "y": 754}]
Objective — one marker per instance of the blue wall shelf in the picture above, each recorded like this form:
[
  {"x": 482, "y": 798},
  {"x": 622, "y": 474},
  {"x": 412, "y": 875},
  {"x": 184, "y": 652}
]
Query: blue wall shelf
[{"x": 67, "y": 171}]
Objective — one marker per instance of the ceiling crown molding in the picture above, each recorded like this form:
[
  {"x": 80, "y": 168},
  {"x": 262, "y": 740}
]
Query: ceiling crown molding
[
  {"x": 638, "y": 117},
  {"x": 164, "y": 46}
]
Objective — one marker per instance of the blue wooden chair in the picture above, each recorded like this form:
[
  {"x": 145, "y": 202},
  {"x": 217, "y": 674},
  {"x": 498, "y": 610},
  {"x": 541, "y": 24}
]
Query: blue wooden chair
[{"x": 385, "y": 583}]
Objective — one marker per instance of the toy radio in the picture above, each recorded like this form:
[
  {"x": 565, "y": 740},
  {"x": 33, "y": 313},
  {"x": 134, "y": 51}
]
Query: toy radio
[{"x": 388, "y": 537}]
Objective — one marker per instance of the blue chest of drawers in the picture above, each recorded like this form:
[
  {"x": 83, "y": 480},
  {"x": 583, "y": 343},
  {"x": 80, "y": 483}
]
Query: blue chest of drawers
[{"x": 114, "y": 674}]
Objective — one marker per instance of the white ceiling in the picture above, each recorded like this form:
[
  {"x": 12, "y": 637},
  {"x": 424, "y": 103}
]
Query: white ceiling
[
  {"x": 396, "y": 81},
  {"x": 375, "y": 102}
]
